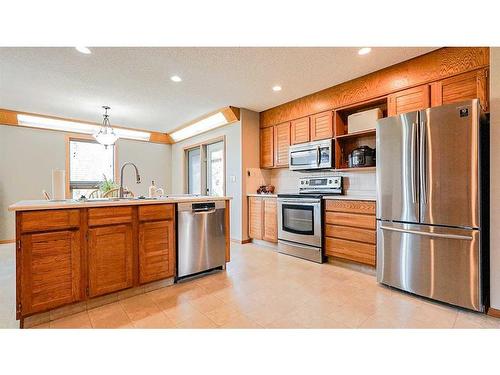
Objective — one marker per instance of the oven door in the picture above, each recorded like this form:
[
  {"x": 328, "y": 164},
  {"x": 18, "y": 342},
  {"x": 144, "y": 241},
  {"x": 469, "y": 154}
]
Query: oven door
[{"x": 299, "y": 220}]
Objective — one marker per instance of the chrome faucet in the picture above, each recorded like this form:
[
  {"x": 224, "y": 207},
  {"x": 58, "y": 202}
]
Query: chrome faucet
[{"x": 137, "y": 177}]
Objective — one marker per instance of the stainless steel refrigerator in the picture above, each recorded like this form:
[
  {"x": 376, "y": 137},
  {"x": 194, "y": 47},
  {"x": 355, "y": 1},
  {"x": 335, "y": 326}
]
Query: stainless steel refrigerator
[{"x": 431, "y": 218}]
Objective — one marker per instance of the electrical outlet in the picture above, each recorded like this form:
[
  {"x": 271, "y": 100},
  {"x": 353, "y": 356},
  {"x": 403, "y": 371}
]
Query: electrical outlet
[{"x": 232, "y": 178}]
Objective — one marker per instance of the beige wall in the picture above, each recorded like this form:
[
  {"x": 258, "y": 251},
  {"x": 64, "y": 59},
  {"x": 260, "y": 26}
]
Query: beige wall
[
  {"x": 232, "y": 134},
  {"x": 250, "y": 150},
  {"x": 495, "y": 177},
  {"x": 27, "y": 157}
]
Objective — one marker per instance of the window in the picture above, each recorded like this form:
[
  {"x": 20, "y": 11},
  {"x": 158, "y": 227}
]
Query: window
[
  {"x": 205, "y": 169},
  {"x": 89, "y": 162}
]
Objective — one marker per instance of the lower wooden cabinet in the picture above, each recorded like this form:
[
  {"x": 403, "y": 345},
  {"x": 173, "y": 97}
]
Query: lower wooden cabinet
[
  {"x": 350, "y": 230},
  {"x": 50, "y": 270},
  {"x": 110, "y": 259},
  {"x": 156, "y": 250},
  {"x": 262, "y": 218},
  {"x": 270, "y": 220}
]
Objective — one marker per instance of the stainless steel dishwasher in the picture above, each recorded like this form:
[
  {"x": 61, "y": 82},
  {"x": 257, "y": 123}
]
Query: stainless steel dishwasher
[{"x": 201, "y": 237}]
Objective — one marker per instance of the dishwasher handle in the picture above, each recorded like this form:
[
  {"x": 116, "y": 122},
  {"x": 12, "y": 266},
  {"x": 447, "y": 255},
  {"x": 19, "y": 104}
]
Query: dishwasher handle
[{"x": 203, "y": 211}]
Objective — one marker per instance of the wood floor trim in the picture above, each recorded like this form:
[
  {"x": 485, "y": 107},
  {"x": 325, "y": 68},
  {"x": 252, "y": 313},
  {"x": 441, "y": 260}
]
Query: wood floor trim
[
  {"x": 493, "y": 312},
  {"x": 241, "y": 241}
]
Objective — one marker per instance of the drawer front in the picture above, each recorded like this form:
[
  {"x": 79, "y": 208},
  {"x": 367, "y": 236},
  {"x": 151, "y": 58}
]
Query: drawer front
[
  {"x": 348, "y": 233},
  {"x": 37, "y": 221},
  {"x": 360, "y": 207},
  {"x": 356, "y": 251},
  {"x": 110, "y": 215},
  {"x": 156, "y": 212},
  {"x": 350, "y": 220}
]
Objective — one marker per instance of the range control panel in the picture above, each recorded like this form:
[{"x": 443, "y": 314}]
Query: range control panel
[{"x": 325, "y": 184}]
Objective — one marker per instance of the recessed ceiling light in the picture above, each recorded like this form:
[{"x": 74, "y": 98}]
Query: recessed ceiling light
[
  {"x": 276, "y": 88},
  {"x": 176, "y": 78},
  {"x": 83, "y": 50},
  {"x": 364, "y": 51}
]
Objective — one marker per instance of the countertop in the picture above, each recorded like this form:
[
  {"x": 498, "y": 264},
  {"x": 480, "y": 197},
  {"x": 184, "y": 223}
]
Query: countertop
[
  {"x": 352, "y": 197},
  {"x": 263, "y": 195},
  {"x": 30, "y": 205}
]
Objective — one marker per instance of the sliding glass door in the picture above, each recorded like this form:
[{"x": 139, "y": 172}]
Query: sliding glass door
[{"x": 206, "y": 169}]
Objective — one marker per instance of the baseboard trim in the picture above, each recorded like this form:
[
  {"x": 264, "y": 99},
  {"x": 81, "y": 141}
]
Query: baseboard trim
[
  {"x": 493, "y": 312},
  {"x": 241, "y": 242},
  {"x": 6, "y": 241}
]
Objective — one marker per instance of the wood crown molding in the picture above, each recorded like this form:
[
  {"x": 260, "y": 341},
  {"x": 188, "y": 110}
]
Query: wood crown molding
[
  {"x": 9, "y": 117},
  {"x": 436, "y": 65}
]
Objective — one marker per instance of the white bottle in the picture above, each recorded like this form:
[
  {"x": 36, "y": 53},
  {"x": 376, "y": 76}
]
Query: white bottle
[{"x": 152, "y": 190}]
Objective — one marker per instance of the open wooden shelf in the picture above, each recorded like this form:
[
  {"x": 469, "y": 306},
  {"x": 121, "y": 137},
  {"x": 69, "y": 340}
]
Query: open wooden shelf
[
  {"x": 357, "y": 134},
  {"x": 358, "y": 169}
]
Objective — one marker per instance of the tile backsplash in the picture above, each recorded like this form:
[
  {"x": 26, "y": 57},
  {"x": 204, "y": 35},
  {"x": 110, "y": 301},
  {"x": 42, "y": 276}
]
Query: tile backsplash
[{"x": 286, "y": 181}]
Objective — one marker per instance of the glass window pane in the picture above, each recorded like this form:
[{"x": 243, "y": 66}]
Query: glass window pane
[
  {"x": 194, "y": 171},
  {"x": 215, "y": 169},
  {"x": 90, "y": 161}
]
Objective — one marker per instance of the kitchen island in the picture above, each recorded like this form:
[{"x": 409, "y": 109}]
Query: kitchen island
[{"x": 73, "y": 255}]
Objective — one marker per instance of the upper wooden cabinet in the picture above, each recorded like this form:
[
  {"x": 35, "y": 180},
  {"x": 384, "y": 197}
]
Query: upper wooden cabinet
[
  {"x": 270, "y": 220},
  {"x": 110, "y": 258},
  {"x": 322, "y": 126},
  {"x": 281, "y": 144},
  {"x": 408, "y": 100},
  {"x": 51, "y": 270},
  {"x": 300, "y": 130},
  {"x": 464, "y": 86},
  {"x": 156, "y": 250},
  {"x": 255, "y": 217},
  {"x": 267, "y": 147}
]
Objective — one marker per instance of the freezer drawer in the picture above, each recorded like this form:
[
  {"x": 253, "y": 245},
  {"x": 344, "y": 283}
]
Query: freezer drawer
[{"x": 435, "y": 262}]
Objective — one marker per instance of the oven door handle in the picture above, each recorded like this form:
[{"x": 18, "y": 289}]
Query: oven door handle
[{"x": 302, "y": 202}]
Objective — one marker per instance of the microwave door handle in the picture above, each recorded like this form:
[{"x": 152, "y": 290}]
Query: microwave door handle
[{"x": 318, "y": 156}]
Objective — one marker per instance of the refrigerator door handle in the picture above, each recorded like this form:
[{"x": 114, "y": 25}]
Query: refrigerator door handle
[
  {"x": 414, "y": 140},
  {"x": 436, "y": 235},
  {"x": 423, "y": 161}
]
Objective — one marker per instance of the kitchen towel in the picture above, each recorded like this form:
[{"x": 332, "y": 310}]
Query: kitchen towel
[{"x": 58, "y": 181}]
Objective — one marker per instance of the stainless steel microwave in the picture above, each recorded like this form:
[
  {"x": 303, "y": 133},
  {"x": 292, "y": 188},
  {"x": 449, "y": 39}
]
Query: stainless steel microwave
[{"x": 312, "y": 155}]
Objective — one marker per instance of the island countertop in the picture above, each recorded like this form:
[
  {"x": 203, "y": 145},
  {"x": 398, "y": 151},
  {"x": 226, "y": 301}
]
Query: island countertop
[{"x": 32, "y": 205}]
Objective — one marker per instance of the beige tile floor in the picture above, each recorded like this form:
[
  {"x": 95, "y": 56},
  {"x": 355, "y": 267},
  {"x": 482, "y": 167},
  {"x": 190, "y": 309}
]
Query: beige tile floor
[{"x": 264, "y": 289}]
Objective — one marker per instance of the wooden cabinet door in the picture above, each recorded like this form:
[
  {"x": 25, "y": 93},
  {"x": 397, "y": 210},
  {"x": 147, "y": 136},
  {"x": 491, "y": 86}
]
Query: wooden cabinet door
[
  {"x": 110, "y": 259},
  {"x": 156, "y": 250},
  {"x": 281, "y": 144},
  {"x": 409, "y": 100},
  {"x": 300, "y": 132},
  {"x": 270, "y": 220},
  {"x": 267, "y": 147},
  {"x": 464, "y": 86},
  {"x": 255, "y": 217},
  {"x": 322, "y": 126},
  {"x": 51, "y": 270}
]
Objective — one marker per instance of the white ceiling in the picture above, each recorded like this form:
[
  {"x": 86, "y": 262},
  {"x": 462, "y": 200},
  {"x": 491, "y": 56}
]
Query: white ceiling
[{"x": 136, "y": 83}]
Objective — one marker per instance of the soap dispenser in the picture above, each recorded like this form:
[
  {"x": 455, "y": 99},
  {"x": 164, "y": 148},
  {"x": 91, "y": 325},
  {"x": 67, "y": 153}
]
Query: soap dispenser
[{"x": 152, "y": 190}]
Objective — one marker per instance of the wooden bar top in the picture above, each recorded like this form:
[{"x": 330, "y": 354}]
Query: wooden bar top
[{"x": 31, "y": 205}]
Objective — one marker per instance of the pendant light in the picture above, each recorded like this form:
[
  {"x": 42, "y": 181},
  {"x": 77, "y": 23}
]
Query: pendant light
[{"x": 106, "y": 135}]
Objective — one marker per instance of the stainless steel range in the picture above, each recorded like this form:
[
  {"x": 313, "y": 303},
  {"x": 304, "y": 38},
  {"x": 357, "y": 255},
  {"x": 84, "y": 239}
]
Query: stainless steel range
[{"x": 300, "y": 217}]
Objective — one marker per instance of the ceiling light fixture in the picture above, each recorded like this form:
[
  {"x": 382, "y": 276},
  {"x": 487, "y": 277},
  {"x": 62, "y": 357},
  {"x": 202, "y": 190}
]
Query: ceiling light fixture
[
  {"x": 106, "y": 135},
  {"x": 201, "y": 126},
  {"x": 49, "y": 123},
  {"x": 176, "y": 78},
  {"x": 83, "y": 50},
  {"x": 364, "y": 51},
  {"x": 277, "y": 88}
]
